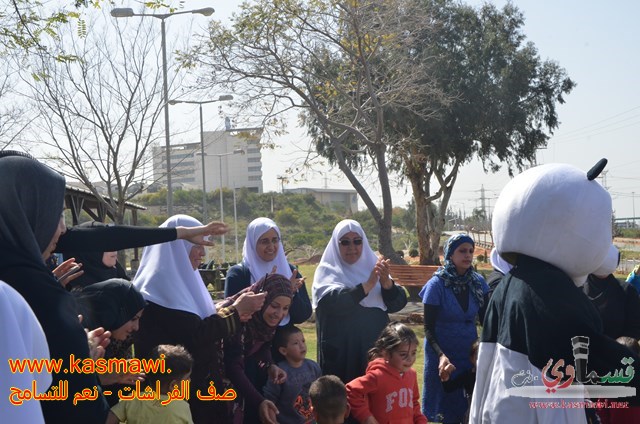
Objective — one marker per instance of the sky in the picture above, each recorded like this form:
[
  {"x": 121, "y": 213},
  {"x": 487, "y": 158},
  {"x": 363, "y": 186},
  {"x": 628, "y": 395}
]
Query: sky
[{"x": 598, "y": 45}]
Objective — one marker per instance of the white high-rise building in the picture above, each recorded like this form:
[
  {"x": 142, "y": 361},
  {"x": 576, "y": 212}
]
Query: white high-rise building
[{"x": 222, "y": 166}]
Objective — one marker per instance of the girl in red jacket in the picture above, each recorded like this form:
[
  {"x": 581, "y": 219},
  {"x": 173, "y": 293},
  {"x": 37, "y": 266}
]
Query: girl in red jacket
[{"x": 388, "y": 392}]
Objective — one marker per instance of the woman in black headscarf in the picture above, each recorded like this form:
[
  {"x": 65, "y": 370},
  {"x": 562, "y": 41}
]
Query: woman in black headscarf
[
  {"x": 30, "y": 224},
  {"x": 115, "y": 305},
  {"x": 97, "y": 266}
]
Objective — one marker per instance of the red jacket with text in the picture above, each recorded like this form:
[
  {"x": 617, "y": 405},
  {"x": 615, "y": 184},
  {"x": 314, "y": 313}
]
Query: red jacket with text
[{"x": 385, "y": 394}]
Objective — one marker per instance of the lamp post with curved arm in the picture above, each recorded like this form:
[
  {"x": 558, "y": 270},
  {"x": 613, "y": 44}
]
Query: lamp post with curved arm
[{"x": 127, "y": 12}]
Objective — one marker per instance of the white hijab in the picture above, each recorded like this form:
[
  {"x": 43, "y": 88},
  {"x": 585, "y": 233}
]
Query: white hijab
[
  {"x": 166, "y": 277},
  {"x": 498, "y": 263},
  {"x": 258, "y": 267},
  {"x": 21, "y": 337},
  {"x": 334, "y": 274}
]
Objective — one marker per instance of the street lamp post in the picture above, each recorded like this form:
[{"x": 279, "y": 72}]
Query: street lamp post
[
  {"x": 127, "y": 12},
  {"x": 633, "y": 199},
  {"x": 220, "y": 156},
  {"x": 204, "y": 181}
]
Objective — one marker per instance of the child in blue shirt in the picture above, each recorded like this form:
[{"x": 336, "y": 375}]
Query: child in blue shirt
[{"x": 292, "y": 397}]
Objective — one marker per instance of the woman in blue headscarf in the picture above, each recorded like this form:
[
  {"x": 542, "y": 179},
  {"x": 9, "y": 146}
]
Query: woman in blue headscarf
[{"x": 452, "y": 299}]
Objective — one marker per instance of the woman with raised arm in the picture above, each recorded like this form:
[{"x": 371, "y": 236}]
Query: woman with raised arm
[{"x": 181, "y": 311}]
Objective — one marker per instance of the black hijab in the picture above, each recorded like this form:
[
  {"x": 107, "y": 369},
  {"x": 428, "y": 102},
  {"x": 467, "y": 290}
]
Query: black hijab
[
  {"x": 94, "y": 269},
  {"x": 109, "y": 304},
  {"x": 32, "y": 197},
  {"x": 32, "y": 202}
]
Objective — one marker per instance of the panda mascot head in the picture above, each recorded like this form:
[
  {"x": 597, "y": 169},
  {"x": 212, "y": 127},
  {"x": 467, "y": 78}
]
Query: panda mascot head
[{"x": 556, "y": 213}]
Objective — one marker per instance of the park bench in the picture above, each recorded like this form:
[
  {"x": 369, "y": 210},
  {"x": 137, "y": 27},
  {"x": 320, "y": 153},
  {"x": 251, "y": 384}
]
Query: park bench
[{"x": 412, "y": 277}]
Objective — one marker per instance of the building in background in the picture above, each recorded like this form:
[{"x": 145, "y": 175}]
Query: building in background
[
  {"x": 337, "y": 199},
  {"x": 238, "y": 170}
]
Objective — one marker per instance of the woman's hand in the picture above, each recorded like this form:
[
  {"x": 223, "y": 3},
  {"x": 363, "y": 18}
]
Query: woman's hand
[
  {"x": 98, "y": 340},
  {"x": 296, "y": 283},
  {"x": 382, "y": 270},
  {"x": 276, "y": 374},
  {"x": 370, "y": 420},
  {"x": 68, "y": 271},
  {"x": 371, "y": 282},
  {"x": 267, "y": 412},
  {"x": 200, "y": 234},
  {"x": 445, "y": 368},
  {"x": 380, "y": 273},
  {"x": 248, "y": 303}
]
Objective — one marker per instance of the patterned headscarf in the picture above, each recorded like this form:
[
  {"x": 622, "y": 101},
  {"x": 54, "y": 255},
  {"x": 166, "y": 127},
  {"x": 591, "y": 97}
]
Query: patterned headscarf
[
  {"x": 257, "y": 330},
  {"x": 449, "y": 274}
]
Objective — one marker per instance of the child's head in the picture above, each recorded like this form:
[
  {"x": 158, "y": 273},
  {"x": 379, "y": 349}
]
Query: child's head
[
  {"x": 398, "y": 345},
  {"x": 289, "y": 341},
  {"x": 177, "y": 359},
  {"x": 630, "y": 343},
  {"x": 329, "y": 400}
]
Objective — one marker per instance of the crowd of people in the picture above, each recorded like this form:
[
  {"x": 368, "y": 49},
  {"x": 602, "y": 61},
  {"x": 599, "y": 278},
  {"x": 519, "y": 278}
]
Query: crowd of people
[{"x": 243, "y": 359}]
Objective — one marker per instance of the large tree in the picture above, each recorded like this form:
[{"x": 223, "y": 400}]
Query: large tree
[
  {"x": 100, "y": 109},
  {"x": 503, "y": 108},
  {"x": 343, "y": 64}
]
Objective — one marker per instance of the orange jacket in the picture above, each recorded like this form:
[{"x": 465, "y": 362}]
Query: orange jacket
[{"x": 386, "y": 395}]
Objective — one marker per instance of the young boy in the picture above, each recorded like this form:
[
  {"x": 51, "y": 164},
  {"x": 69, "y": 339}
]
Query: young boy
[
  {"x": 292, "y": 397},
  {"x": 329, "y": 400},
  {"x": 137, "y": 411}
]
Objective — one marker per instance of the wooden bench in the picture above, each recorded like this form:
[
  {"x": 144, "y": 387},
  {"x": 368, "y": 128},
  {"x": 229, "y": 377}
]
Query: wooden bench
[{"x": 412, "y": 277}]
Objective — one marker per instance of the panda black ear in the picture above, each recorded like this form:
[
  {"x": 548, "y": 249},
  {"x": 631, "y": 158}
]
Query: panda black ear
[{"x": 597, "y": 169}]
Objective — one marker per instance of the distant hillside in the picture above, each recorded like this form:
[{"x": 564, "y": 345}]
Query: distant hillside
[{"x": 306, "y": 225}]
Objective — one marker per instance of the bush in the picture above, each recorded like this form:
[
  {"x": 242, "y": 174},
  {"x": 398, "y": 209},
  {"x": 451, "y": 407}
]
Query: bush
[{"x": 414, "y": 253}]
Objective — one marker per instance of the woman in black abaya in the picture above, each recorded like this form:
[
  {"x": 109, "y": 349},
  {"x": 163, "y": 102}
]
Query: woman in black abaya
[{"x": 30, "y": 224}]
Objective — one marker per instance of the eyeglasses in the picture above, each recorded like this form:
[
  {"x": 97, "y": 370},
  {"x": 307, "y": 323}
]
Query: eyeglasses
[
  {"x": 267, "y": 241},
  {"x": 347, "y": 242}
]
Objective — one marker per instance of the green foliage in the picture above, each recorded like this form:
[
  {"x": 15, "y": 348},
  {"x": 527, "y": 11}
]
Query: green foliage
[
  {"x": 505, "y": 95},
  {"x": 414, "y": 253},
  {"x": 302, "y": 220},
  {"x": 286, "y": 216}
]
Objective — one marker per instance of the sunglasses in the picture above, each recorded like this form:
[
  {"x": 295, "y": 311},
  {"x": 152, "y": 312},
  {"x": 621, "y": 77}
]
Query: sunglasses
[{"x": 347, "y": 242}]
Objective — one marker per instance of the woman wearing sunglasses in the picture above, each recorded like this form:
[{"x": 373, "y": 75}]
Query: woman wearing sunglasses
[{"x": 353, "y": 295}]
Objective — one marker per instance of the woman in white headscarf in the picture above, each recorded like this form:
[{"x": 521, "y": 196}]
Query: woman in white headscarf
[
  {"x": 262, "y": 254},
  {"x": 353, "y": 295},
  {"x": 500, "y": 269},
  {"x": 180, "y": 311}
]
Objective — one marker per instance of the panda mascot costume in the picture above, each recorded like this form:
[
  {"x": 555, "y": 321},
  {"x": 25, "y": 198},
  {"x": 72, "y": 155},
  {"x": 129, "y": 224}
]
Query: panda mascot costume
[{"x": 542, "y": 353}]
